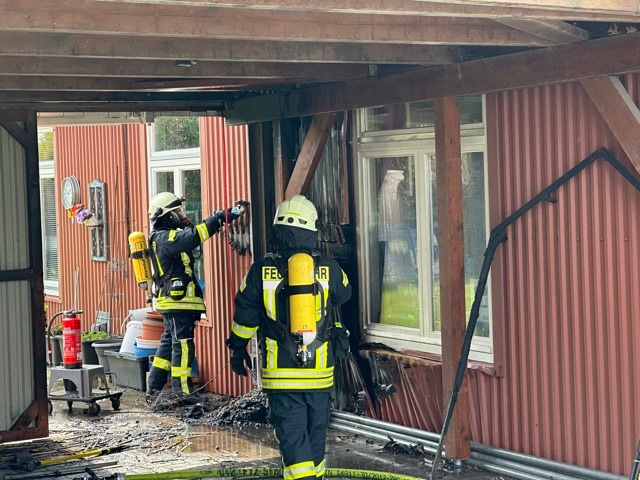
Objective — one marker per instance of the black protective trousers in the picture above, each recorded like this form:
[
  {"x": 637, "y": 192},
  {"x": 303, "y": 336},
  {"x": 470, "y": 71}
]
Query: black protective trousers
[
  {"x": 175, "y": 353},
  {"x": 300, "y": 421}
]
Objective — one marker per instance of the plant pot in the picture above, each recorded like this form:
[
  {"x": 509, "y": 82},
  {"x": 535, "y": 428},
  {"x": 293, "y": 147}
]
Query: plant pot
[
  {"x": 89, "y": 355},
  {"x": 56, "y": 350},
  {"x": 101, "y": 346}
]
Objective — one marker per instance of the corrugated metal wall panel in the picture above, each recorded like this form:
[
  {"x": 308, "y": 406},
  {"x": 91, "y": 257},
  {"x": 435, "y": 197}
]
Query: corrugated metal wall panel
[
  {"x": 225, "y": 179},
  {"x": 564, "y": 285},
  {"x": 16, "y": 352},
  {"x": 91, "y": 152},
  {"x": 14, "y": 253}
]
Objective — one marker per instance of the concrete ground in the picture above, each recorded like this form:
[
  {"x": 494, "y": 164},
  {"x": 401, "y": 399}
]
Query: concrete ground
[{"x": 186, "y": 439}]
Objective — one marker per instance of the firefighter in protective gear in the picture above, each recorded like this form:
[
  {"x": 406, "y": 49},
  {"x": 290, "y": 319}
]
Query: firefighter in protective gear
[
  {"x": 298, "y": 389},
  {"x": 179, "y": 297}
]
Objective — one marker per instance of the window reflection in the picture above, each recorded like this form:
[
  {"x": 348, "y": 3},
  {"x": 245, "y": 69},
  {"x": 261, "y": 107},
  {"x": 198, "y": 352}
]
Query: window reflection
[{"x": 397, "y": 242}]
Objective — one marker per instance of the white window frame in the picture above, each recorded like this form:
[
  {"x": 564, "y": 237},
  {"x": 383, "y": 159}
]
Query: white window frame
[
  {"x": 175, "y": 161},
  {"x": 46, "y": 170},
  {"x": 420, "y": 144}
]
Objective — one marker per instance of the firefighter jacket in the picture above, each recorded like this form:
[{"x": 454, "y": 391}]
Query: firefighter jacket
[
  {"x": 261, "y": 304},
  {"x": 172, "y": 260}
]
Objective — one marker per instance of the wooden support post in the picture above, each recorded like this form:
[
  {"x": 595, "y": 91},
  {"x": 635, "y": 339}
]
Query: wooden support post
[
  {"x": 619, "y": 112},
  {"x": 310, "y": 154},
  {"x": 451, "y": 248}
]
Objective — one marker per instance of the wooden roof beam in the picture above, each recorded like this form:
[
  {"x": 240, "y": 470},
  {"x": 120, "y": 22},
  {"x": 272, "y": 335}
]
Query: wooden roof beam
[
  {"x": 114, "y": 84},
  {"x": 630, "y": 7},
  {"x": 84, "y": 16},
  {"x": 316, "y": 72},
  {"x": 430, "y": 8},
  {"x": 310, "y": 154},
  {"x": 607, "y": 56},
  {"x": 619, "y": 112},
  {"x": 205, "y": 49},
  {"x": 552, "y": 30}
]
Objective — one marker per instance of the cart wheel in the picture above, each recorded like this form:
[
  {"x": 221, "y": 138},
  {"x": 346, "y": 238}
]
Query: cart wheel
[
  {"x": 70, "y": 405},
  {"x": 50, "y": 408},
  {"x": 93, "y": 409},
  {"x": 115, "y": 403}
]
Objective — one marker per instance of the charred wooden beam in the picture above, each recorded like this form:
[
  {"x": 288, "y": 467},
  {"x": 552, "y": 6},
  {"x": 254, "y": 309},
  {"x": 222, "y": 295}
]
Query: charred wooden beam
[{"x": 607, "y": 56}]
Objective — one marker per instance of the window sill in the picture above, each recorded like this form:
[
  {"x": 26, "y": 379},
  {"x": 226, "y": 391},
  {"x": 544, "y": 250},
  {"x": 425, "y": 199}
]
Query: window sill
[{"x": 416, "y": 358}]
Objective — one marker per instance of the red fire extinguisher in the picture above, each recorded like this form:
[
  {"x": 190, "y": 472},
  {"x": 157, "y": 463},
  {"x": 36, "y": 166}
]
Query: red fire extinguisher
[{"x": 71, "y": 339}]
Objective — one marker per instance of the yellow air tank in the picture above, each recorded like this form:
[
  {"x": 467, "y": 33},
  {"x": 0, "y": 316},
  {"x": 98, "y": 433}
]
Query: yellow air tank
[
  {"x": 302, "y": 301},
  {"x": 140, "y": 259}
]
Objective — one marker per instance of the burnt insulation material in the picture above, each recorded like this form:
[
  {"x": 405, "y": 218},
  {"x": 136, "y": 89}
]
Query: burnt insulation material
[{"x": 250, "y": 409}]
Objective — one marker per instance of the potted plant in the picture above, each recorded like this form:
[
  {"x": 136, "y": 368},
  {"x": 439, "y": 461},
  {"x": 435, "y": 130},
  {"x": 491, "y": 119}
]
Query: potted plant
[{"x": 89, "y": 355}]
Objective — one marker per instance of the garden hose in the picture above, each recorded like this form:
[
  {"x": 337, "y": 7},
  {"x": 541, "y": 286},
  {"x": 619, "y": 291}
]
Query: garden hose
[{"x": 262, "y": 472}]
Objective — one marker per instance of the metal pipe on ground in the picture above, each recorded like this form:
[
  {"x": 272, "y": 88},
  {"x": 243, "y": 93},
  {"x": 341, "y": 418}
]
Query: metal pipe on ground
[
  {"x": 418, "y": 435},
  {"x": 487, "y": 463}
]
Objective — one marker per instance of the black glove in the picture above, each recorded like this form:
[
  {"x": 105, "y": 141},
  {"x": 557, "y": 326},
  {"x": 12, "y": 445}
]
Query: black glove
[{"x": 238, "y": 359}]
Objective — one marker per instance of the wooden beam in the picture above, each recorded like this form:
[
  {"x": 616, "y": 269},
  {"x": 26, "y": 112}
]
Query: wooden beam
[
  {"x": 17, "y": 132},
  {"x": 631, "y": 7},
  {"x": 553, "y": 30},
  {"x": 423, "y": 7},
  {"x": 607, "y": 56},
  {"x": 85, "y": 16},
  {"x": 90, "y": 67},
  {"x": 310, "y": 154},
  {"x": 34, "y": 43},
  {"x": 451, "y": 259},
  {"x": 619, "y": 112}
]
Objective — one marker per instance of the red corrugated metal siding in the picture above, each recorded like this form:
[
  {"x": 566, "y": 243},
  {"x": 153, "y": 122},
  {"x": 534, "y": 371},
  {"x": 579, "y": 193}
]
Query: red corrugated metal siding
[
  {"x": 564, "y": 286},
  {"x": 564, "y": 302},
  {"x": 225, "y": 179},
  {"x": 91, "y": 152}
]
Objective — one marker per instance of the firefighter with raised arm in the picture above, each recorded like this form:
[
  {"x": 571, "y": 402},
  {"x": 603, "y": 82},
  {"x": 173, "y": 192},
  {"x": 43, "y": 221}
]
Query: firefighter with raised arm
[
  {"x": 179, "y": 297},
  {"x": 286, "y": 297}
]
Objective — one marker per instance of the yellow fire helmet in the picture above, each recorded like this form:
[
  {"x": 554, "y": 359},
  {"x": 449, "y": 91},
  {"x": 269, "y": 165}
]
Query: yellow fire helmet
[
  {"x": 298, "y": 211},
  {"x": 165, "y": 202}
]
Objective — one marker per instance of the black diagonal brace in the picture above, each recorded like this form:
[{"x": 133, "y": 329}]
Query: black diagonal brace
[{"x": 497, "y": 236}]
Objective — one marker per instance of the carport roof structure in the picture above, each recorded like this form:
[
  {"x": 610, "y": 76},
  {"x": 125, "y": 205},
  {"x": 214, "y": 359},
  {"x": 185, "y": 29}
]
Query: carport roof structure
[{"x": 254, "y": 60}]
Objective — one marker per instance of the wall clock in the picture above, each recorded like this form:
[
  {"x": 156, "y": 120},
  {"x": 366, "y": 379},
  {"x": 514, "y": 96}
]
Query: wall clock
[{"x": 70, "y": 191}]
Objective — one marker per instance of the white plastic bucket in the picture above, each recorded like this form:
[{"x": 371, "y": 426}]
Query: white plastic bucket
[
  {"x": 143, "y": 343},
  {"x": 134, "y": 329}
]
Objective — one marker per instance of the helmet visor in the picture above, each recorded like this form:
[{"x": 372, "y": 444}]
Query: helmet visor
[{"x": 179, "y": 215}]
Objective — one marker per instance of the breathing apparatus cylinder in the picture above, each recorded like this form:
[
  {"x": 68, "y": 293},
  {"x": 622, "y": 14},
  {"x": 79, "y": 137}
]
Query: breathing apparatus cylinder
[
  {"x": 140, "y": 259},
  {"x": 71, "y": 340},
  {"x": 302, "y": 302}
]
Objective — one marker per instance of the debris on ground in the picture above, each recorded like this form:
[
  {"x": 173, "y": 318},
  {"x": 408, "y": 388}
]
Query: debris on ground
[
  {"x": 249, "y": 410},
  {"x": 404, "y": 449}
]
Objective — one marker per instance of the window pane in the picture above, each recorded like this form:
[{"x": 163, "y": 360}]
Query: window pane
[
  {"x": 397, "y": 263},
  {"x": 418, "y": 114},
  {"x": 475, "y": 239},
  {"x": 193, "y": 206},
  {"x": 176, "y": 133},
  {"x": 45, "y": 145},
  {"x": 164, "y": 182},
  {"x": 49, "y": 230}
]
